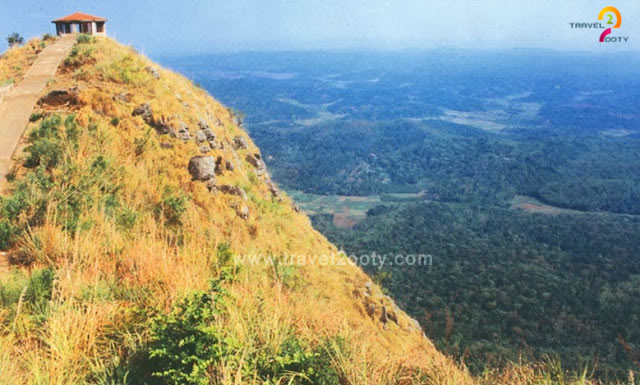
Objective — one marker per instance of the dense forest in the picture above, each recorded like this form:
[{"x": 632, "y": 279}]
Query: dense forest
[
  {"x": 506, "y": 283},
  {"x": 468, "y": 134},
  {"x": 455, "y": 164}
]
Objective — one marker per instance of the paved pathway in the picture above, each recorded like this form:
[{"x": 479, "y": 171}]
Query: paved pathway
[{"x": 17, "y": 105}]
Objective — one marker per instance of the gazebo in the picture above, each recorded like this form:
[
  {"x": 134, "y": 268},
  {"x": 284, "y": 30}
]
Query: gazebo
[{"x": 81, "y": 23}]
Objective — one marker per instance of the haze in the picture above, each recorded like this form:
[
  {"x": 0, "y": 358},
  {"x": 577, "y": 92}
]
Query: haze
[{"x": 198, "y": 26}]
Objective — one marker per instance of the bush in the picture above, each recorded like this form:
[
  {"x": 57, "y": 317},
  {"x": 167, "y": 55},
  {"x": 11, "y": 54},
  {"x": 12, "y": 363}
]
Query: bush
[
  {"x": 185, "y": 344},
  {"x": 172, "y": 208},
  {"x": 84, "y": 38},
  {"x": 39, "y": 290},
  {"x": 187, "y": 347},
  {"x": 36, "y": 116},
  {"x": 7, "y": 235},
  {"x": 295, "y": 363},
  {"x": 44, "y": 148},
  {"x": 79, "y": 56}
]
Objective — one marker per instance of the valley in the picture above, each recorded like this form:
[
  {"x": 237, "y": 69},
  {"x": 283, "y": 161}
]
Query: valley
[{"x": 519, "y": 172}]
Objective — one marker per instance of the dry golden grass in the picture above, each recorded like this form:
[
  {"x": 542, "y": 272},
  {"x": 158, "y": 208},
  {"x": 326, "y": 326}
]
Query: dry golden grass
[{"x": 16, "y": 61}]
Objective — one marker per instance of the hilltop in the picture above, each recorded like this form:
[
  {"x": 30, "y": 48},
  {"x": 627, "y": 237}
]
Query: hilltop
[{"x": 123, "y": 222}]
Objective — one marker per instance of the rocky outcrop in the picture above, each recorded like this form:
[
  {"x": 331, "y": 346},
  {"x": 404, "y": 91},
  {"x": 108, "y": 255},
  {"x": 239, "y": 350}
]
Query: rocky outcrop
[
  {"x": 256, "y": 161},
  {"x": 243, "y": 212},
  {"x": 382, "y": 308},
  {"x": 183, "y": 132},
  {"x": 153, "y": 71},
  {"x": 272, "y": 188},
  {"x": 240, "y": 143},
  {"x": 122, "y": 97},
  {"x": 160, "y": 125},
  {"x": 202, "y": 168},
  {"x": 232, "y": 190},
  {"x": 144, "y": 111}
]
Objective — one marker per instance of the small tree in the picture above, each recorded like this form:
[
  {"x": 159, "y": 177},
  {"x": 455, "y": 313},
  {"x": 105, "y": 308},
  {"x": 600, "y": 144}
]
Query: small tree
[{"x": 15, "y": 39}]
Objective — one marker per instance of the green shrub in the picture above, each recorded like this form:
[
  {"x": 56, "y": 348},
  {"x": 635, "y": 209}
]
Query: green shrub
[
  {"x": 224, "y": 255},
  {"x": 294, "y": 363},
  {"x": 39, "y": 290},
  {"x": 185, "y": 344},
  {"x": 36, "y": 116},
  {"x": 7, "y": 235},
  {"x": 45, "y": 147},
  {"x": 187, "y": 347},
  {"x": 79, "y": 56},
  {"x": 84, "y": 38},
  {"x": 172, "y": 208},
  {"x": 127, "y": 218}
]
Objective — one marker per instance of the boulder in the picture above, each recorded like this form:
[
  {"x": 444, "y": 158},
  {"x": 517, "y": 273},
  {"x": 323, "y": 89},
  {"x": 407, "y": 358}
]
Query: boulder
[
  {"x": 200, "y": 136},
  {"x": 240, "y": 142},
  {"x": 229, "y": 165},
  {"x": 183, "y": 132},
  {"x": 122, "y": 97},
  {"x": 211, "y": 184},
  {"x": 218, "y": 122},
  {"x": 256, "y": 161},
  {"x": 143, "y": 110},
  {"x": 232, "y": 190},
  {"x": 370, "y": 308},
  {"x": 161, "y": 126},
  {"x": 203, "y": 124},
  {"x": 209, "y": 134},
  {"x": 153, "y": 71},
  {"x": 205, "y": 149},
  {"x": 237, "y": 120},
  {"x": 219, "y": 162},
  {"x": 383, "y": 315},
  {"x": 202, "y": 168},
  {"x": 273, "y": 189},
  {"x": 243, "y": 212}
]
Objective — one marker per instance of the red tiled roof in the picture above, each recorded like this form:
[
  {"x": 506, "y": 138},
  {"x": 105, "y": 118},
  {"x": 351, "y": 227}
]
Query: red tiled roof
[{"x": 79, "y": 16}]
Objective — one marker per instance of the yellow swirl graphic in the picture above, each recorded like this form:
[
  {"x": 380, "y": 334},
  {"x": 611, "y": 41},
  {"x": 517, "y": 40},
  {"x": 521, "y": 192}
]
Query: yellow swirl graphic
[{"x": 608, "y": 9}]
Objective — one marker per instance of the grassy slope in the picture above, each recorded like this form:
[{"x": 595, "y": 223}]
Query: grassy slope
[
  {"x": 106, "y": 234},
  {"x": 15, "y": 62}
]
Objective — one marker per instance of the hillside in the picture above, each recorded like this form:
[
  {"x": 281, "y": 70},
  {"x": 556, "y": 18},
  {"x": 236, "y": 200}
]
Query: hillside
[
  {"x": 126, "y": 230},
  {"x": 122, "y": 227}
]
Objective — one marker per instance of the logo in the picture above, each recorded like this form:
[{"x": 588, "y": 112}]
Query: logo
[
  {"x": 612, "y": 19},
  {"x": 608, "y": 11}
]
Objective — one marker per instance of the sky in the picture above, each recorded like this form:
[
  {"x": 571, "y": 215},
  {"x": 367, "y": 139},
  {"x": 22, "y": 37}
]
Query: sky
[{"x": 164, "y": 27}]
